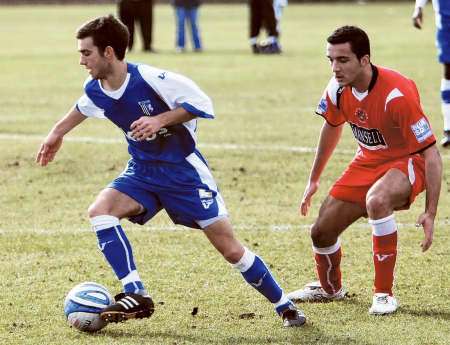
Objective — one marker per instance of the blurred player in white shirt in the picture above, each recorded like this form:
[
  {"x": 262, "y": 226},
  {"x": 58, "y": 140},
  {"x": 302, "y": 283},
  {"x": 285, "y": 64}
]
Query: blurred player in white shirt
[
  {"x": 278, "y": 7},
  {"x": 442, "y": 14}
]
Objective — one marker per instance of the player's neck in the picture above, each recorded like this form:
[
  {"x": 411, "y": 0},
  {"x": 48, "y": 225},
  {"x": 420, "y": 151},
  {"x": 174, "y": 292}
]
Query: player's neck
[
  {"x": 116, "y": 77},
  {"x": 362, "y": 82}
]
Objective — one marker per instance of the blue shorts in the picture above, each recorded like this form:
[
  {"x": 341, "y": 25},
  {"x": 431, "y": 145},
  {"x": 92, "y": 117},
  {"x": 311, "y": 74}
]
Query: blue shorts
[
  {"x": 443, "y": 39},
  {"x": 187, "y": 191}
]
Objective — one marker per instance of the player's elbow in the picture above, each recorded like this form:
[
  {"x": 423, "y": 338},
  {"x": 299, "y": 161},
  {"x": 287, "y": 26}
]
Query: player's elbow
[
  {"x": 433, "y": 158},
  {"x": 433, "y": 154}
]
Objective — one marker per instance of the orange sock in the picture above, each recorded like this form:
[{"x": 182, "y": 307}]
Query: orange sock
[
  {"x": 384, "y": 240},
  {"x": 328, "y": 261}
]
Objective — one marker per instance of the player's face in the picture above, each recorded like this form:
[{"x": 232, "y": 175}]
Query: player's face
[
  {"x": 345, "y": 65},
  {"x": 90, "y": 57}
]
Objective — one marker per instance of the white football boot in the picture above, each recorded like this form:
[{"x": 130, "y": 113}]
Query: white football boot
[
  {"x": 313, "y": 292},
  {"x": 383, "y": 304},
  {"x": 291, "y": 316}
]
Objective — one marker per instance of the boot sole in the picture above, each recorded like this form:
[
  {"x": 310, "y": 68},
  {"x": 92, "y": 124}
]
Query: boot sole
[{"x": 118, "y": 316}]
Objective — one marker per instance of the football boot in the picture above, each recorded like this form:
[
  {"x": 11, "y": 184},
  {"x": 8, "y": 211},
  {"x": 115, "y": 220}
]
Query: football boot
[
  {"x": 291, "y": 316},
  {"x": 383, "y": 304},
  {"x": 128, "y": 306},
  {"x": 270, "y": 48},
  {"x": 256, "y": 49},
  {"x": 313, "y": 292}
]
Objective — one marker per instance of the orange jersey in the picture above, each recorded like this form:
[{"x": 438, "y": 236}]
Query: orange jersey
[{"x": 387, "y": 120}]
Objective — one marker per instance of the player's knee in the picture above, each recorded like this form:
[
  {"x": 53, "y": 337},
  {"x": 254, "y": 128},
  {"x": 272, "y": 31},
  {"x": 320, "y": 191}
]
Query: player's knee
[
  {"x": 376, "y": 204},
  {"x": 233, "y": 254},
  {"x": 96, "y": 209},
  {"x": 232, "y": 257},
  {"x": 319, "y": 236}
]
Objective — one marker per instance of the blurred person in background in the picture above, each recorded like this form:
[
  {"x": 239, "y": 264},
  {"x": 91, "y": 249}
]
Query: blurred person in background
[
  {"x": 141, "y": 11},
  {"x": 186, "y": 12},
  {"x": 442, "y": 12},
  {"x": 262, "y": 15},
  {"x": 278, "y": 7}
]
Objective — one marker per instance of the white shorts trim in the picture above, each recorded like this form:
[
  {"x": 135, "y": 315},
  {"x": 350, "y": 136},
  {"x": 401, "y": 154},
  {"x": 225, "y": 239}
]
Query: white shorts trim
[{"x": 204, "y": 223}]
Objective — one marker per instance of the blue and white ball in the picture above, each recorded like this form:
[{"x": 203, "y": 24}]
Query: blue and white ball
[{"x": 83, "y": 305}]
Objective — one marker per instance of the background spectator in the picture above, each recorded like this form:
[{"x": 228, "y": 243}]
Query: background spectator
[
  {"x": 186, "y": 11},
  {"x": 278, "y": 6},
  {"x": 142, "y": 11},
  {"x": 262, "y": 15},
  {"x": 442, "y": 13}
]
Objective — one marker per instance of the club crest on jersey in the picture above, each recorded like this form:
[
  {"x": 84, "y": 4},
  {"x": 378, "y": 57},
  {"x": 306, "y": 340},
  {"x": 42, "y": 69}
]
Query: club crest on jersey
[
  {"x": 322, "y": 107},
  {"x": 421, "y": 130},
  {"x": 146, "y": 107},
  {"x": 361, "y": 115},
  {"x": 370, "y": 138}
]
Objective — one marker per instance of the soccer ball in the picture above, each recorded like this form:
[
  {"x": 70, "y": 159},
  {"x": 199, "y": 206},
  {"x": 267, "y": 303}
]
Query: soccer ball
[{"x": 83, "y": 304}]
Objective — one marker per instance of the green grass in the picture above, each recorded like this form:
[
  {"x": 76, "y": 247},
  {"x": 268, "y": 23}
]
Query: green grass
[{"x": 45, "y": 243}]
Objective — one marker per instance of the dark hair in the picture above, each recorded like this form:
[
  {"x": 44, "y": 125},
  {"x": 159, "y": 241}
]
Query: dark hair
[
  {"x": 106, "y": 31},
  {"x": 358, "y": 39}
]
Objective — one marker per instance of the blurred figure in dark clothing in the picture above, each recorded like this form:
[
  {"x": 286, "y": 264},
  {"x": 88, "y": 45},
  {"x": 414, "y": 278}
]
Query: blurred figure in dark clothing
[
  {"x": 262, "y": 15},
  {"x": 141, "y": 11}
]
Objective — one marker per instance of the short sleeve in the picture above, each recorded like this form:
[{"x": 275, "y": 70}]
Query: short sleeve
[
  {"x": 178, "y": 91},
  {"x": 414, "y": 125},
  {"x": 85, "y": 106},
  {"x": 328, "y": 106}
]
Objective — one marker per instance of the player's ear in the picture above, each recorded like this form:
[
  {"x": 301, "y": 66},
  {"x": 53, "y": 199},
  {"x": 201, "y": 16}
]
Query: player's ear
[
  {"x": 109, "y": 52},
  {"x": 365, "y": 60}
]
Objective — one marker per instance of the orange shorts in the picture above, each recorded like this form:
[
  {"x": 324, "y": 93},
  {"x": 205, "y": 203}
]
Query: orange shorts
[{"x": 357, "y": 179}]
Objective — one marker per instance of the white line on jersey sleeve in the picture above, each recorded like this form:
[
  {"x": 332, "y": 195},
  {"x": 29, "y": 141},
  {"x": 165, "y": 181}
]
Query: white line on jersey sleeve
[
  {"x": 178, "y": 91},
  {"x": 332, "y": 89},
  {"x": 88, "y": 108},
  {"x": 393, "y": 94}
]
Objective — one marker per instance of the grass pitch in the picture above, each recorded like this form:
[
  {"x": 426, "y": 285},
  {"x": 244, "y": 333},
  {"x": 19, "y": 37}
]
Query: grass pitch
[{"x": 260, "y": 150}]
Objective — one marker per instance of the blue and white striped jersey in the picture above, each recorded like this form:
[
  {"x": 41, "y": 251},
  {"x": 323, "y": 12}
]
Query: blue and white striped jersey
[{"x": 149, "y": 91}]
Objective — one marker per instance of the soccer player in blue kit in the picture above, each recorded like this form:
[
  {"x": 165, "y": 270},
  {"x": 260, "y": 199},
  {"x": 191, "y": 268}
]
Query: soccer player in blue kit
[
  {"x": 157, "y": 110},
  {"x": 442, "y": 13}
]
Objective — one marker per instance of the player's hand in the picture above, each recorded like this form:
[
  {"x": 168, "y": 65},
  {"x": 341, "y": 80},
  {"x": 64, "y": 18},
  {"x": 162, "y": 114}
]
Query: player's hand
[
  {"x": 145, "y": 127},
  {"x": 417, "y": 18},
  {"x": 310, "y": 189},
  {"x": 426, "y": 220},
  {"x": 48, "y": 149}
]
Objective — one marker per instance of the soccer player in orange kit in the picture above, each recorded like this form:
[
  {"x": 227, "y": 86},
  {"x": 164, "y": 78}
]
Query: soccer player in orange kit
[{"x": 397, "y": 158}]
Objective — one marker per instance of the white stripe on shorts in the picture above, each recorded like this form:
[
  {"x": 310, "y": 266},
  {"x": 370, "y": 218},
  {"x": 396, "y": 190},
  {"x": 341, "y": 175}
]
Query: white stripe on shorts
[{"x": 207, "y": 178}]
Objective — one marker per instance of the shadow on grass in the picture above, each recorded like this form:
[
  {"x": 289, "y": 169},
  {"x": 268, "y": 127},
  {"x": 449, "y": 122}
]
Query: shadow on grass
[
  {"x": 309, "y": 334},
  {"x": 434, "y": 313},
  {"x": 404, "y": 309}
]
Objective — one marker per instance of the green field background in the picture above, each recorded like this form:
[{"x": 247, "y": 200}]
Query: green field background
[{"x": 260, "y": 148}]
